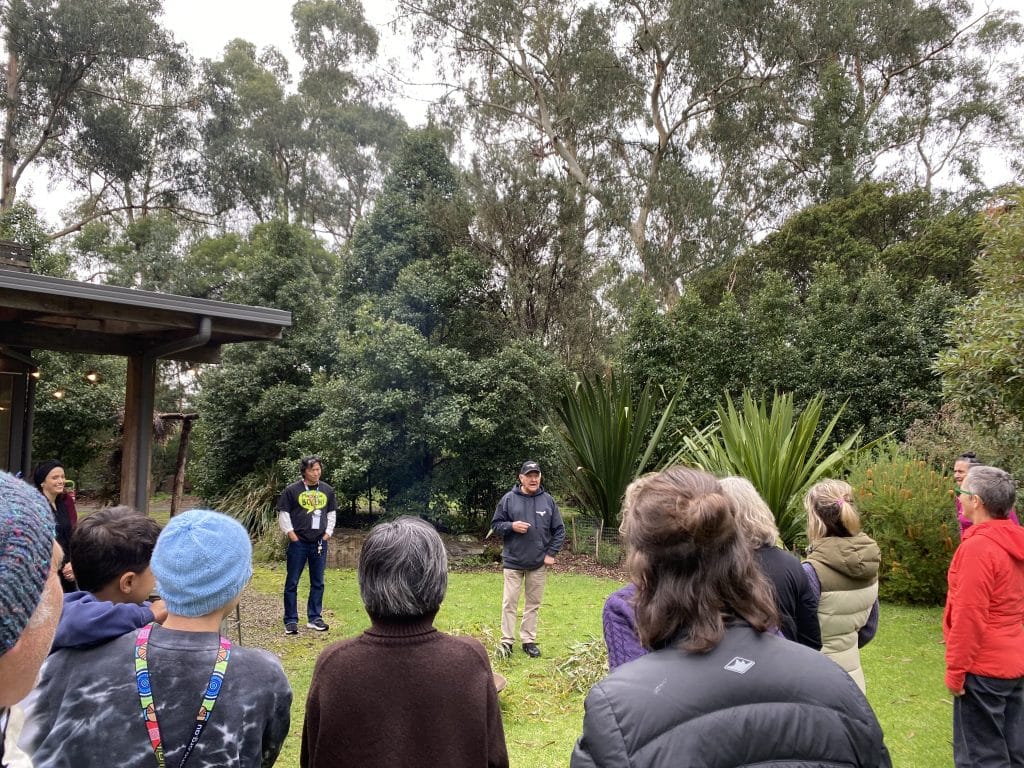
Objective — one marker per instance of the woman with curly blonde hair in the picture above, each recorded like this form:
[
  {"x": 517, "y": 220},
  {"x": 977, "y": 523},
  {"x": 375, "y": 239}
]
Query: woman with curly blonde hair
[{"x": 842, "y": 566}]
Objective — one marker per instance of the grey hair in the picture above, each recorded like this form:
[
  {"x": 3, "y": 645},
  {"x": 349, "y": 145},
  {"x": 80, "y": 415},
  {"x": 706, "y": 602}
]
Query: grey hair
[
  {"x": 403, "y": 570},
  {"x": 754, "y": 518},
  {"x": 995, "y": 488}
]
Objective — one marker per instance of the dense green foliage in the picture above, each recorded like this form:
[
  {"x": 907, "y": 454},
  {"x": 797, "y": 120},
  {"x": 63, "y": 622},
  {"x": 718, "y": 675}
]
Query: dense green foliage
[
  {"x": 907, "y": 507},
  {"x": 984, "y": 370},
  {"x": 943, "y": 435},
  {"x": 431, "y": 403},
  {"x": 607, "y": 439},
  {"x": 83, "y": 421},
  {"x": 261, "y": 394},
  {"x": 849, "y": 299},
  {"x": 782, "y": 452},
  {"x": 861, "y": 343}
]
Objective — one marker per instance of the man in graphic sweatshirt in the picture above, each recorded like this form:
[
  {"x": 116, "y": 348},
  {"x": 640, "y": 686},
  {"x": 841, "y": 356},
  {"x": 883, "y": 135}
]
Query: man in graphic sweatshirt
[{"x": 528, "y": 520}]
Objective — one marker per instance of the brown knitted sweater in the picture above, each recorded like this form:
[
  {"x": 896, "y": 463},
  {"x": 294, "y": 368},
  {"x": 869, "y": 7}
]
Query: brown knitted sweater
[{"x": 403, "y": 694}]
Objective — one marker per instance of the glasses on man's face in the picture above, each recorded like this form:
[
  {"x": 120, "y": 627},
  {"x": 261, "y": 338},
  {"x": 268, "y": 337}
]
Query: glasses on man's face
[{"x": 962, "y": 492}]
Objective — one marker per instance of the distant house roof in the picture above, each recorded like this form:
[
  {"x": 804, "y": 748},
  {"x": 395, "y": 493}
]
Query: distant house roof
[{"x": 39, "y": 312}]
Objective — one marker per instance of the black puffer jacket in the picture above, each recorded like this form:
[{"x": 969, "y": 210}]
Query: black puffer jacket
[{"x": 755, "y": 700}]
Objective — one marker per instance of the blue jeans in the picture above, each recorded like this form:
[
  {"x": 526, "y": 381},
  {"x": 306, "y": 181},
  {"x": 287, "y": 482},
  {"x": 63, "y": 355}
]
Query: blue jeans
[
  {"x": 299, "y": 553},
  {"x": 988, "y": 723}
]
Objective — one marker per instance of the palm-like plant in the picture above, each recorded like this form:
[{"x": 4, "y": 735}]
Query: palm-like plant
[
  {"x": 605, "y": 439},
  {"x": 776, "y": 450}
]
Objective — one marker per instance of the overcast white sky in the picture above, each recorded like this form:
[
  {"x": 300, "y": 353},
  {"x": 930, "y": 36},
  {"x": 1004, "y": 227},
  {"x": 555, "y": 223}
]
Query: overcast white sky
[{"x": 207, "y": 25}]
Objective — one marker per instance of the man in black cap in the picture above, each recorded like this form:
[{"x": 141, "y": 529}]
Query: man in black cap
[{"x": 528, "y": 520}]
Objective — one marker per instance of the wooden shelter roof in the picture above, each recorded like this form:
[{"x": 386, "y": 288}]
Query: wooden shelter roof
[{"x": 40, "y": 312}]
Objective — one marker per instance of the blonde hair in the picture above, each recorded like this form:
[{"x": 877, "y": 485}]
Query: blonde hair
[
  {"x": 754, "y": 518},
  {"x": 830, "y": 511}
]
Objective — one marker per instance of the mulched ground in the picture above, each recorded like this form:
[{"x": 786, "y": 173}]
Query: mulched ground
[{"x": 578, "y": 562}]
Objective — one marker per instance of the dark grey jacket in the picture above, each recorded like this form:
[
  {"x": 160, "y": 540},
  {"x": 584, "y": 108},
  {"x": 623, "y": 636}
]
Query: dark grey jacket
[
  {"x": 756, "y": 699},
  {"x": 525, "y": 551}
]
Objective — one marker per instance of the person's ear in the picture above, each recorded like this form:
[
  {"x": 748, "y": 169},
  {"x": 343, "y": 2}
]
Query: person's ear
[{"x": 126, "y": 582}]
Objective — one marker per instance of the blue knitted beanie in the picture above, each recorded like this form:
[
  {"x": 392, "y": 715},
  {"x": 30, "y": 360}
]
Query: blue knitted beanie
[
  {"x": 26, "y": 548},
  {"x": 202, "y": 560}
]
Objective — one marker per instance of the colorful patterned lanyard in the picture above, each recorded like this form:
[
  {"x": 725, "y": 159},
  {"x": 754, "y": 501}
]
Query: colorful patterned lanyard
[{"x": 146, "y": 694}]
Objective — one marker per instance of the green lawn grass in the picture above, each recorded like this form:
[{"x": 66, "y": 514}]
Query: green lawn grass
[
  {"x": 542, "y": 712},
  {"x": 904, "y": 666}
]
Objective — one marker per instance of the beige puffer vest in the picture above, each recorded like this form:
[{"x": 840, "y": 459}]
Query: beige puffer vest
[{"x": 848, "y": 571}]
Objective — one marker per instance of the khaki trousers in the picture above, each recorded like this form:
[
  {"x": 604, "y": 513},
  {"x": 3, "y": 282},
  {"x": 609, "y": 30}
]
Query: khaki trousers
[{"x": 510, "y": 603}]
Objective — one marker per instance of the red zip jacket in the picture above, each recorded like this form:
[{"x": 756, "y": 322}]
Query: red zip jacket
[{"x": 984, "y": 619}]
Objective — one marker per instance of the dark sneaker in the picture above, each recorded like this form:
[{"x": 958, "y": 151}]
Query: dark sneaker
[
  {"x": 531, "y": 650},
  {"x": 318, "y": 625},
  {"x": 504, "y": 650},
  {"x": 291, "y": 629}
]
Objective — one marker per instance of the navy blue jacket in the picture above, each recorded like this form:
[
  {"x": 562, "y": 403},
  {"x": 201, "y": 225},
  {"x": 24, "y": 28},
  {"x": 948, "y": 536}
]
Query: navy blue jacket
[
  {"x": 86, "y": 621},
  {"x": 526, "y": 551}
]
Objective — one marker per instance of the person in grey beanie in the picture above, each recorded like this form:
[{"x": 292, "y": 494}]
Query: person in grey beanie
[
  {"x": 30, "y": 593},
  {"x": 202, "y": 562}
]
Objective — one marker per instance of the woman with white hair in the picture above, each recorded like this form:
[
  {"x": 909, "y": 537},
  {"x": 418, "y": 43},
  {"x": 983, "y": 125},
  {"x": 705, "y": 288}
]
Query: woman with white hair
[
  {"x": 796, "y": 602},
  {"x": 403, "y": 693}
]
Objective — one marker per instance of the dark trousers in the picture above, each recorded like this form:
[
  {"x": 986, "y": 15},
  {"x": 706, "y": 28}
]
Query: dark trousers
[
  {"x": 988, "y": 723},
  {"x": 299, "y": 554}
]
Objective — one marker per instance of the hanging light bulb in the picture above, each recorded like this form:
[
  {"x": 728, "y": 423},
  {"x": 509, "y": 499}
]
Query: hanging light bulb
[
  {"x": 36, "y": 373},
  {"x": 93, "y": 377},
  {"x": 59, "y": 394}
]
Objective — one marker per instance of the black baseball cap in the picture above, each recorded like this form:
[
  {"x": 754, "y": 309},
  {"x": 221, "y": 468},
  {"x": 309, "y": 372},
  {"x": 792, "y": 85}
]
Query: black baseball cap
[{"x": 528, "y": 467}]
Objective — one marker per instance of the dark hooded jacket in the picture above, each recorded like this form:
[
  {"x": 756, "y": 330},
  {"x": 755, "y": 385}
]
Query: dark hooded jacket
[
  {"x": 983, "y": 623},
  {"x": 754, "y": 700},
  {"x": 526, "y": 551}
]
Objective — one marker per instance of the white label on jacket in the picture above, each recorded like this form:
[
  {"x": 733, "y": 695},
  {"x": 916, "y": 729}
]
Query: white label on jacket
[{"x": 739, "y": 665}]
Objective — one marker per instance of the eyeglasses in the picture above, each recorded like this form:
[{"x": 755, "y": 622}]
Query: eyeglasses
[{"x": 962, "y": 492}]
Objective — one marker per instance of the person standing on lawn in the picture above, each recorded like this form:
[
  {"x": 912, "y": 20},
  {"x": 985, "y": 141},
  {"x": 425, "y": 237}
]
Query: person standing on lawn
[
  {"x": 718, "y": 687},
  {"x": 403, "y": 693},
  {"x": 528, "y": 520},
  {"x": 306, "y": 513},
  {"x": 983, "y": 625}
]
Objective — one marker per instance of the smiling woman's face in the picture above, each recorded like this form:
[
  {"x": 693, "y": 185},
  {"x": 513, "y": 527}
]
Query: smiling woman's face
[{"x": 53, "y": 485}]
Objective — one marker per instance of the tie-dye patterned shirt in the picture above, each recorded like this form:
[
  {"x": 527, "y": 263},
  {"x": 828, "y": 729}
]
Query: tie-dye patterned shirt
[{"x": 85, "y": 712}]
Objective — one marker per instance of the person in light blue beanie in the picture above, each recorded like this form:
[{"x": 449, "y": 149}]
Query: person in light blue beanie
[{"x": 202, "y": 561}]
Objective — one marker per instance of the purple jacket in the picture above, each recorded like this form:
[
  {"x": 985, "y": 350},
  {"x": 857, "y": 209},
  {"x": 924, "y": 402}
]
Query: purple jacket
[{"x": 620, "y": 627}]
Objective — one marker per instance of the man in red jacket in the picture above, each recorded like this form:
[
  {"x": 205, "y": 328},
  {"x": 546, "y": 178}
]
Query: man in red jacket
[{"x": 984, "y": 627}]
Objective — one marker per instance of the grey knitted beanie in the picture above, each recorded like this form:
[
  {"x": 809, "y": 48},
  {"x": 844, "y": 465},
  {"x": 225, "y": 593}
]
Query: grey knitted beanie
[{"x": 26, "y": 548}]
